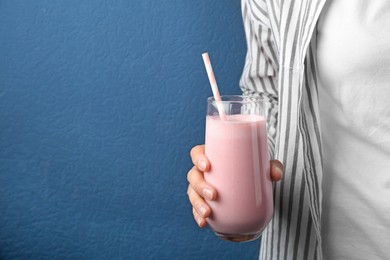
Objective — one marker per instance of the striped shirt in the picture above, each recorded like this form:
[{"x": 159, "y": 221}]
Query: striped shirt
[{"x": 280, "y": 66}]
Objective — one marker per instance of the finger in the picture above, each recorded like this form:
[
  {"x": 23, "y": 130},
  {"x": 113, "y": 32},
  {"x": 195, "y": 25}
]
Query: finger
[
  {"x": 199, "y": 158},
  {"x": 199, "y": 185},
  {"x": 198, "y": 203},
  {"x": 199, "y": 220},
  {"x": 276, "y": 170}
]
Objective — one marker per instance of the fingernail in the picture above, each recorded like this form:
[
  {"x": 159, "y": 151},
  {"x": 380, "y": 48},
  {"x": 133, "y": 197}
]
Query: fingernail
[
  {"x": 207, "y": 193},
  {"x": 278, "y": 170},
  {"x": 202, "y": 210},
  {"x": 198, "y": 220},
  {"x": 202, "y": 164}
]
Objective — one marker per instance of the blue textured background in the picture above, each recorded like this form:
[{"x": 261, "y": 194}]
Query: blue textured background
[{"x": 100, "y": 102}]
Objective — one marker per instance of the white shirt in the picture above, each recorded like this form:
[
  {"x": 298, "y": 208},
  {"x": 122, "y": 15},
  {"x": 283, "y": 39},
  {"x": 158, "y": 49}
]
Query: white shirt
[{"x": 354, "y": 95}]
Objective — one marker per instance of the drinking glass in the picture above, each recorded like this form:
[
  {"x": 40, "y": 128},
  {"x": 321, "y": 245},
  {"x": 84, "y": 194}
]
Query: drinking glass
[{"x": 237, "y": 148}]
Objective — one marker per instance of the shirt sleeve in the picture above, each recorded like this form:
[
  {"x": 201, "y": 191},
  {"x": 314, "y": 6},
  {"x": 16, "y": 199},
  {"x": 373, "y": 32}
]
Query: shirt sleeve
[{"x": 259, "y": 76}]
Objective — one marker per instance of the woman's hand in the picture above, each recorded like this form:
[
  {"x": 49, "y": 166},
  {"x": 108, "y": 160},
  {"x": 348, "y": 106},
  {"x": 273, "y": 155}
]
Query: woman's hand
[{"x": 199, "y": 191}]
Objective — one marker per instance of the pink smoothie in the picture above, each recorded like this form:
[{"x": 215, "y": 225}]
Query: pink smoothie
[{"x": 238, "y": 152}]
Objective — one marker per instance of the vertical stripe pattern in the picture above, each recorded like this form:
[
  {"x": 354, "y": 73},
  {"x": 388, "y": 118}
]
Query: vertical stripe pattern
[{"x": 280, "y": 66}]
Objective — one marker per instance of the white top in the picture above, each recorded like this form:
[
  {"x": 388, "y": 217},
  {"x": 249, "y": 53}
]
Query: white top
[{"x": 354, "y": 76}]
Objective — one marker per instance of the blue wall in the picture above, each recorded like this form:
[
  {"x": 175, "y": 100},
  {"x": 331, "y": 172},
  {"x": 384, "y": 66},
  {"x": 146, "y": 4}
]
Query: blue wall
[{"x": 100, "y": 102}]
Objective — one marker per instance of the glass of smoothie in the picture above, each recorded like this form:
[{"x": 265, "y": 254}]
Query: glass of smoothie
[{"x": 237, "y": 147}]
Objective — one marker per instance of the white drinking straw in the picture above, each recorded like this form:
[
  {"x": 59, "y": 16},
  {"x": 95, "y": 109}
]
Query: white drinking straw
[{"x": 214, "y": 86}]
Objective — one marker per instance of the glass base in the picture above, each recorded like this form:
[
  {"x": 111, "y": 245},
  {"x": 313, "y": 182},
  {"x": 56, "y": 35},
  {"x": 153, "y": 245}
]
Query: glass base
[{"x": 238, "y": 238}]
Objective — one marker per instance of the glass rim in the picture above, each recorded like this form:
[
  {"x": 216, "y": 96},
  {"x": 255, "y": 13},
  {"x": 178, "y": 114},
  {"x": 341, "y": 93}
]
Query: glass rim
[{"x": 237, "y": 99}]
